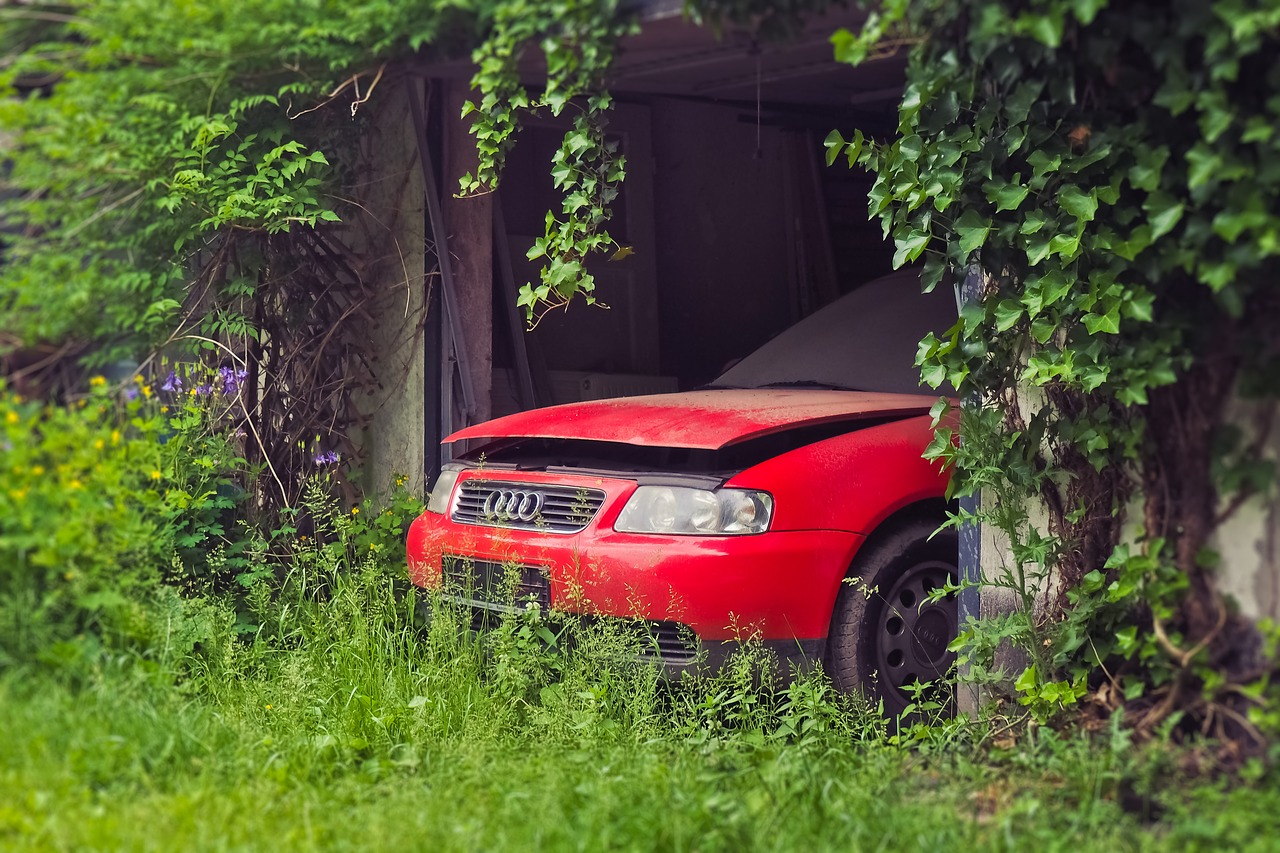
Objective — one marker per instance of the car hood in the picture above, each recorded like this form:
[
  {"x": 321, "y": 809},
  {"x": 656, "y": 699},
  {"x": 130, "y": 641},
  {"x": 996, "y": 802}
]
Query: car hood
[{"x": 705, "y": 420}]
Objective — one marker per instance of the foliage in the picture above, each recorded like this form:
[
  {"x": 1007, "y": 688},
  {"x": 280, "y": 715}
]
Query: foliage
[
  {"x": 100, "y": 502},
  {"x": 364, "y": 725},
  {"x": 148, "y": 133},
  {"x": 578, "y": 41},
  {"x": 1102, "y": 177}
]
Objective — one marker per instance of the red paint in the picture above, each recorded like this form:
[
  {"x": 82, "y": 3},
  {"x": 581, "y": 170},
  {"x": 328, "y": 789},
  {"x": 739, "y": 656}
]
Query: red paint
[
  {"x": 696, "y": 419},
  {"x": 782, "y": 584}
]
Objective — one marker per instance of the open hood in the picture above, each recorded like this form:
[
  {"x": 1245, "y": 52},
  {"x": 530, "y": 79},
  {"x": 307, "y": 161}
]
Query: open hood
[{"x": 704, "y": 420}]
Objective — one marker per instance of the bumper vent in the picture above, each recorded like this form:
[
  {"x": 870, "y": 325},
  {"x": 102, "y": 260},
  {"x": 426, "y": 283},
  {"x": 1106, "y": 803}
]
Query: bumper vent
[
  {"x": 525, "y": 506},
  {"x": 499, "y": 587},
  {"x": 667, "y": 642}
]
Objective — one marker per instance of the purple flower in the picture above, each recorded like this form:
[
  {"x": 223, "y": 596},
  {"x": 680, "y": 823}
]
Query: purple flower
[
  {"x": 231, "y": 380},
  {"x": 130, "y": 393},
  {"x": 172, "y": 383},
  {"x": 204, "y": 390},
  {"x": 329, "y": 457}
]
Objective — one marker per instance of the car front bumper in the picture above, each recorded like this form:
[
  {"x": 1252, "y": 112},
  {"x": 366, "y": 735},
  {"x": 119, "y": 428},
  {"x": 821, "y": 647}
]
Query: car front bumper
[{"x": 777, "y": 587}]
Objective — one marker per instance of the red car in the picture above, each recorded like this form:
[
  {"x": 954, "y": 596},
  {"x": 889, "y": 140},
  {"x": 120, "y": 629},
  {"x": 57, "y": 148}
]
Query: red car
[{"x": 787, "y": 502}]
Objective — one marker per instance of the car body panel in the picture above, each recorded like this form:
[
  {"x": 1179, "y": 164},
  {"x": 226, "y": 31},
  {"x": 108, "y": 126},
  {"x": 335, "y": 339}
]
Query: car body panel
[
  {"x": 780, "y": 584},
  {"x": 866, "y": 476},
  {"x": 723, "y": 587},
  {"x": 706, "y": 420}
]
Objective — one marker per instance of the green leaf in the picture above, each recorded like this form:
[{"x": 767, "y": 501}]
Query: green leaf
[
  {"x": 1108, "y": 323},
  {"x": 910, "y": 247},
  {"x": 1080, "y": 204},
  {"x": 1007, "y": 196},
  {"x": 1008, "y": 313},
  {"x": 1163, "y": 213},
  {"x": 971, "y": 231},
  {"x": 834, "y": 143}
]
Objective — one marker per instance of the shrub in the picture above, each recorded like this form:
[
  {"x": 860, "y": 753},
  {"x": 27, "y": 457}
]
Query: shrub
[{"x": 100, "y": 500}]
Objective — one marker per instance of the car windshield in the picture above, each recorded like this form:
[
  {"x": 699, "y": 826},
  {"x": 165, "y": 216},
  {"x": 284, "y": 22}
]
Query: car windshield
[{"x": 864, "y": 341}]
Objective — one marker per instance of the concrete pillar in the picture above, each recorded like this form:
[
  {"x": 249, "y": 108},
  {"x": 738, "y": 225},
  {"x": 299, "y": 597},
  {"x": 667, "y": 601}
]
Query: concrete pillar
[{"x": 389, "y": 237}]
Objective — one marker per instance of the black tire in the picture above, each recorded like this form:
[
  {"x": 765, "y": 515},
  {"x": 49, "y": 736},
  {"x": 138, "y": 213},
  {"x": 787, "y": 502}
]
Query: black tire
[{"x": 882, "y": 636}]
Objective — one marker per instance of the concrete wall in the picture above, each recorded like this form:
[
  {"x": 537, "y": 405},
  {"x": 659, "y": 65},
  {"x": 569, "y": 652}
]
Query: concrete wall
[
  {"x": 1249, "y": 540},
  {"x": 390, "y": 236}
]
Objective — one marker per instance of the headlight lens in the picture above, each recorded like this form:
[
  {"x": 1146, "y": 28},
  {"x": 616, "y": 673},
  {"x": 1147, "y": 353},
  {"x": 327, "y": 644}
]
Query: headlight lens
[
  {"x": 439, "y": 500},
  {"x": 692, "y": 512}
]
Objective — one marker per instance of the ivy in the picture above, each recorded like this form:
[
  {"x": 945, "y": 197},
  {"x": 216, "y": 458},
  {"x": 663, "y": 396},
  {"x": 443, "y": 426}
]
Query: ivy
[
  {"x": 1105, "y": 177},
  {"x": 578, "y": 39}
]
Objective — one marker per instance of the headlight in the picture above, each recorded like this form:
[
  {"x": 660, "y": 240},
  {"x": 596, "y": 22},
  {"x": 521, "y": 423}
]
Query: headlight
[
  {"x": 685, "y": 511},
  {"x": 439, "y": 500}
]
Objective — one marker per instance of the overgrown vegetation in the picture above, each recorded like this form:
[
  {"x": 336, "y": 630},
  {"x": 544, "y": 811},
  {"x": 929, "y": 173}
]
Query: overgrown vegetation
[
  {"x": 320, "y": 703},
  {"x": 1104, "y": 177}
]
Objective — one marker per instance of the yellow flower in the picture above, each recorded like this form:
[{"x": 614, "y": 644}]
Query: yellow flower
[
  {"x": 37, "y": 470},
  {"x": 115, "y": 436},
  {"x": 17, "y": 494},
  {"x": 69, "y": 576},
  {"x": 155, "y": 475},
  {"x": 75, "y": 484},
  {"x": 146, "y": 390},
  {"x": 164, "y": 408},
  {"x": 98, "y": 381},
  {"x": 12, "y": 417},
  {"x": 99, "y": 444},
  {"x": 355, "y": 510}
]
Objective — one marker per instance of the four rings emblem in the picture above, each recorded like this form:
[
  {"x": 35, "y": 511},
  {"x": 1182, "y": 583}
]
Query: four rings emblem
[{"x": 513, "y": 503}]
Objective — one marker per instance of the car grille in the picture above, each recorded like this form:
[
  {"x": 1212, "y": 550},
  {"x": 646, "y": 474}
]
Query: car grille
[
  {"x": 494, "y": 586},
  {"x": 524, "y": 506}
]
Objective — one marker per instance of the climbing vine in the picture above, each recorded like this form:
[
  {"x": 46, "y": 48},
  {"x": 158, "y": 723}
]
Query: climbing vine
[
  {"x": 1104, "y": 178},
  {"x": 578, "y": 39}
]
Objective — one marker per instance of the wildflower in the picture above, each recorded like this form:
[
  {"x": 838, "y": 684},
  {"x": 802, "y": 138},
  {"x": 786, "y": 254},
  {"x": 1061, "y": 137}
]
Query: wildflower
[
  {"x": 267, "y": 706},
  {"x": 330, "y": 457},
  {"x": 164, "y": 409},
  {"x": 99, "y": 444},
  {"x": 12, "y": 417},
  {"x": 98, "y": 381},
  {"x": 156, "y": 475},
  {"x": 130, "y": 394},
  {"x": 355, "y": 510},
  {"x": 231, "y": 380},
  {"x": 202, "y": 390},
  {"x": 37, "y": 470},
  {"x": 75, "y": 484},
  {"x": 69, "y": 576},
  {"x": 146, "y": 390},
  {"x": 172, "y": 383},
  {"x": 115, "y": 436},
  {"x": 17, "y": 494}
]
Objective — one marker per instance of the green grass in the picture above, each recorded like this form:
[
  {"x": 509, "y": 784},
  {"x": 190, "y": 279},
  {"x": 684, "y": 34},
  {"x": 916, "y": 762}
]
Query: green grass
[{"x": 344, "y": 725}]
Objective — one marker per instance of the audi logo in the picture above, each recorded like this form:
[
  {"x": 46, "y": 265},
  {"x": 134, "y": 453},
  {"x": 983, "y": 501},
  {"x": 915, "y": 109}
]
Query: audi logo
[{"x": 513, "y": 503}]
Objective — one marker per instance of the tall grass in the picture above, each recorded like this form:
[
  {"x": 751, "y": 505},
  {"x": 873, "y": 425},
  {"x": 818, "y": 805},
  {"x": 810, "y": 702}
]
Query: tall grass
[{"x": 331, "y": 707}]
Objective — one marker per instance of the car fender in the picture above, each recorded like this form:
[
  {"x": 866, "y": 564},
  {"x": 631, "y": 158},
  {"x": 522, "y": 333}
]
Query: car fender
[{"x": 851, "y": 482}]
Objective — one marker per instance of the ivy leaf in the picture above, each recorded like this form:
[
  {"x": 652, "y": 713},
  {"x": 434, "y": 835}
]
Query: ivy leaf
[
  {"x": 834, "y": 143},
  {"x": 1080, "y": 204},
  {"x": 1007, "y": 196},
  {"x": 910, "y": 247},
  {"x": 1008, "y": 313},
  {"x": 971, "y": 231},
  {"x": 1163, "y": 213},
  {"x": 1108, "y": 323}
]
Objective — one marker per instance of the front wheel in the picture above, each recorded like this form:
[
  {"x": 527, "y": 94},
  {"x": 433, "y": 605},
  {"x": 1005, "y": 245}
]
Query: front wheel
[{"x": 886, "y": 635}]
